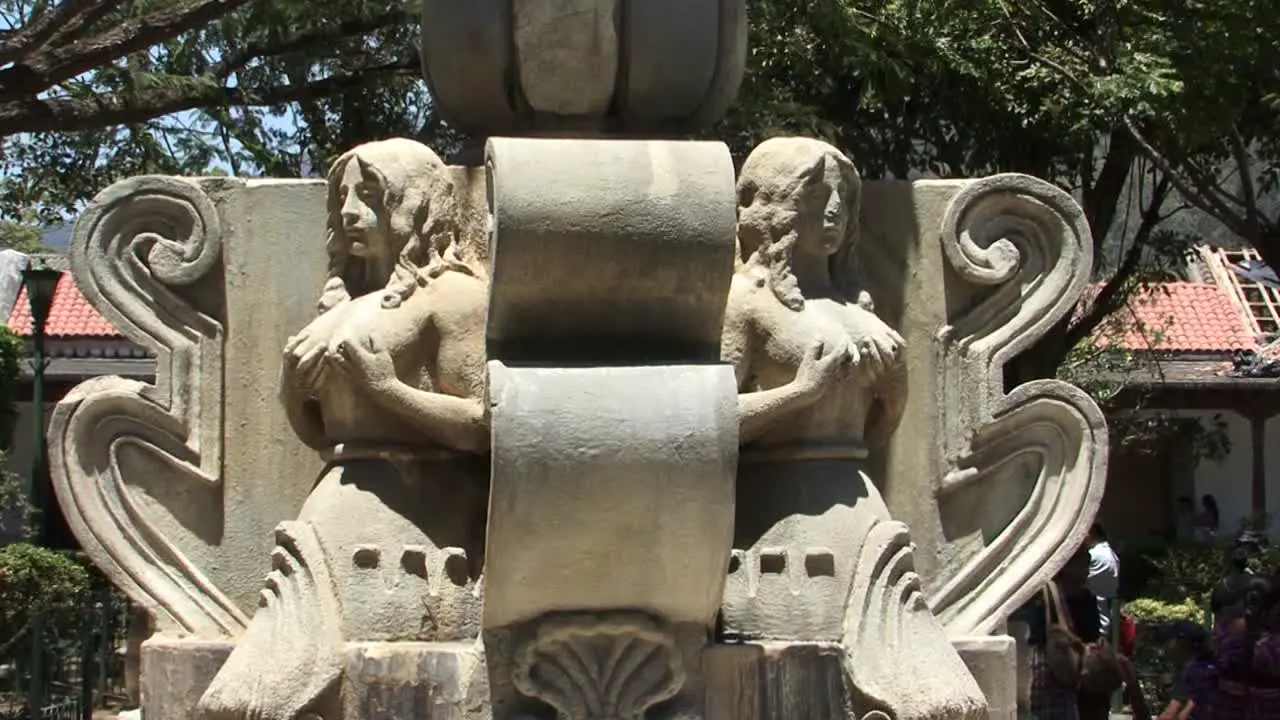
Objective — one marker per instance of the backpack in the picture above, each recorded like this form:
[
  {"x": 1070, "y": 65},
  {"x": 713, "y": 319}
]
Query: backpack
[{"x": 1090, "y": 667}]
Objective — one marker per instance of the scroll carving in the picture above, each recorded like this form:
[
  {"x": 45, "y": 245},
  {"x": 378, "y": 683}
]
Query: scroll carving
[
  {"x": 136, "y": 253},
  {"x": 1030, "y": 242}
]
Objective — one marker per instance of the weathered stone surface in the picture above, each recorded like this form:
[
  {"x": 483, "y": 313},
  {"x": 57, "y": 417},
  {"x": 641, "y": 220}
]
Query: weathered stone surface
[
  {"x": 175, "y": 672},
  {"x": 424, "y": 681},
  {"x": 776, "y": 681},
  {"x": 567, "y": 54},
  {"x": 593, "y": 505},
  {"x": 640, "y": 69},
  {"x": 611, "y": 295},
  {"x": 992, "y": 660},
  {"x": 625, "y": 259},
  {"x": 204, "y": 273}
]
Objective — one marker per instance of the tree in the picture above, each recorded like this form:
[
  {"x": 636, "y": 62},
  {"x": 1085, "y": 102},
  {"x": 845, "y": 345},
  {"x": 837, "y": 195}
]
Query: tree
[
  {"x": 101, "y": 89},
  {"x": 1191, "y": 89}
]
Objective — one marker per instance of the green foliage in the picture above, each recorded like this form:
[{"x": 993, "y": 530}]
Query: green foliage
[
  {"x": 38, "y": 580},
  {"x": 1151, "y": 664},
  {"x": 1152, "y": 611},
  {"x": 274, "y": 87},
  {"x": 1185, "y": 572},
  {"x": 14, "y": 506}
]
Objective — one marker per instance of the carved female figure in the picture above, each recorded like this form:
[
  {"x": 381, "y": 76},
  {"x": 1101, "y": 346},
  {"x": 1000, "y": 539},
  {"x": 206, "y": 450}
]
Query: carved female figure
[
  {"x": 818, "y": 558},
  {"x": 388, "y": 383}
]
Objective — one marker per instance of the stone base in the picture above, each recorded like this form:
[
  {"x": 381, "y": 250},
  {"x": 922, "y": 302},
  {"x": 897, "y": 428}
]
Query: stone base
[
  {"x": 175, "y": 673},
  {"x": 410, "y": 681},
  {"x": 775, "y": 681},
  {"x": 415, "y": 681},
  {"x": 448, "y": 681},
  {"x": 993, "y": 662}
]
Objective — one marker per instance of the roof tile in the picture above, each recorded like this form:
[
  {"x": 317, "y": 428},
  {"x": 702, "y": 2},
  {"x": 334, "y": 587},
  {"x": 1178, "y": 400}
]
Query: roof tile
[
  {"x": 70, "y": 315},
  {"x": 1182, "y": 317}
]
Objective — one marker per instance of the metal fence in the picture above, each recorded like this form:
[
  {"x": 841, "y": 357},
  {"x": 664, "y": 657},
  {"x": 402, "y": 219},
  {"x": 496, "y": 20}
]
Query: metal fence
[{"x": 64, "y": 666}]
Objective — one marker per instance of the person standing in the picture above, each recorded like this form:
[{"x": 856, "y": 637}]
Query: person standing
[
  {"x": 1104, "y": 583},
  {"x": 1065, "y": 602},
  {"x": 1104, "y": 573},
  {"x": 1207, "y": 520}
]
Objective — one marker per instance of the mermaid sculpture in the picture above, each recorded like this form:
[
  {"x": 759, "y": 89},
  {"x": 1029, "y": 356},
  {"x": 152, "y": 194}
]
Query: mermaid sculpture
[
  {"x": 387, "y": 382},
  {"x": 817, "y": 557}
]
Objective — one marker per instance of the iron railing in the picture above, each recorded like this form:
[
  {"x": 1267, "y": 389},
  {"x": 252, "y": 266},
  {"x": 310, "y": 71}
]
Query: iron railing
[{"x": 63, "y": 666}]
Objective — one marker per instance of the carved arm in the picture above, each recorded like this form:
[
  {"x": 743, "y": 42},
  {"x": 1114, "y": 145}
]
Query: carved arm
[
  {"x": 458, "y": 423},
  {"x": 758, "y": 411}
]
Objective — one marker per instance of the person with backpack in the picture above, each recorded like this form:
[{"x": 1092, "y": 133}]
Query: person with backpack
[{"x": 1062, "y": 619}]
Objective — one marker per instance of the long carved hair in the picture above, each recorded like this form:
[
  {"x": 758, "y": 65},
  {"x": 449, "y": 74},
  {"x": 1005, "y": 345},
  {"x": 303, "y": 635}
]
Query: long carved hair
[
  {"x": 418, "y": 216},
  {"x": 782, "y": 171}
]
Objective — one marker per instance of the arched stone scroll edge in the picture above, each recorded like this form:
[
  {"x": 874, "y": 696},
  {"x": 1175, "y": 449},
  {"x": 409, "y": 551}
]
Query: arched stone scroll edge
[
  {"x": 1030, "y": 240},
  {"x": 135, "y": 243},
  {"x": 1065, "y": 431}
]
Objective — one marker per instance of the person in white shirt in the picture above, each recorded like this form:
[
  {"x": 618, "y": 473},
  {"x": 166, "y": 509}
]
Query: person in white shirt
[{"x": 1104, "y": 573}]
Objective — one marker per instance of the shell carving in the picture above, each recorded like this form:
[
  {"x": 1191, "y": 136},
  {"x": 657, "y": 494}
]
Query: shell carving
[{"x": 595, "y": 667}]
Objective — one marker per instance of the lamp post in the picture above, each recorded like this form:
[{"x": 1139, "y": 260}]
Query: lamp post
[{"x": 41, "y": 282}]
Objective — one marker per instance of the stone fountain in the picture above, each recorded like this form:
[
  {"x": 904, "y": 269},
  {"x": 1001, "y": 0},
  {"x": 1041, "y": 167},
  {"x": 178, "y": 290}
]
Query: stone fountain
[{"x": 596, "y": 429}]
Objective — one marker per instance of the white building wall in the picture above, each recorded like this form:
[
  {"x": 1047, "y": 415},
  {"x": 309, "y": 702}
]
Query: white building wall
[{"x": 1230, "y": 480}]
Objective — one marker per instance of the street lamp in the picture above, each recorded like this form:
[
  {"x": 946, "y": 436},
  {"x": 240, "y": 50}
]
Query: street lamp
[{"x": 41, "y": 282}]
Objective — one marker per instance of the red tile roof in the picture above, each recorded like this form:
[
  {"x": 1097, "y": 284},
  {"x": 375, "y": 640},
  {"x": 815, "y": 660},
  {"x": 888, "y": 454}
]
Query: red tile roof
[
  {"x": 1181, "y": 317},
  {"x": 70, "y": 316}
]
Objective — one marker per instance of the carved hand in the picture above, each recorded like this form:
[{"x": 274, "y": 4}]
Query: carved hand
[
  {"x": 822, "y": 364},
  {"x": 878, "y": 351},
  {"x": 302, "y": 361},
  {"x": 375, "y": 370}
]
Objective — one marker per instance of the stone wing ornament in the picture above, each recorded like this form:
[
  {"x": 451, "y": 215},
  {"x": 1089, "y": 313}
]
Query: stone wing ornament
[
  {"x": 195, "y": 271},
  {"x": 999, "y": 484}
]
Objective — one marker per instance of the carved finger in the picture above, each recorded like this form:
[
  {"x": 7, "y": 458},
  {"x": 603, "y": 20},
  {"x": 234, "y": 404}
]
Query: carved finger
[
  {"x": 310, "y": 358},
  {"x": 311, "y": 378},
  {"x": 817, "y": 350}
]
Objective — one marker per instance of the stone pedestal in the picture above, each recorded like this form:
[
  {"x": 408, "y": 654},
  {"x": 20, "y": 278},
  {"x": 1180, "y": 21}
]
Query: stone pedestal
[
  {"x": 992, "y": 661},
  {"x": 175, "y": 673},
  {"x": 427, "y": 681},
  {"x": 775, "y": 681}
]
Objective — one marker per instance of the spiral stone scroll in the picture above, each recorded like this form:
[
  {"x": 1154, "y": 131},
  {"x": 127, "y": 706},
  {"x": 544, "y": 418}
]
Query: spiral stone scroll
[
  {"x": 1030, "y": 243},
  {"x": 139, "y": 254}
]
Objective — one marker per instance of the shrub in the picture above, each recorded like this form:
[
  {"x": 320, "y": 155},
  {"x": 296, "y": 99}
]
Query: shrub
[
  {"x": 1154, "y": 613},
  {"x": 1154, "y": 618},
  {"x": 38, "y": 580}
]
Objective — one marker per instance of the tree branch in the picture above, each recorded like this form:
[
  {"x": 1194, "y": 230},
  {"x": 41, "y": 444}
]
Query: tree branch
[
  {"x": 1190, "y": 188},
  {"x": 1112, "y": 296},
  {"x": 55, "y": 64},
  {"x": 262, "y": 50},
  {"x": 44, "y": 26},
  {"x": 1240, "y": 154},
  {"x": 67, "y": 114},
  {"x": 1102, "y": 197}
]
